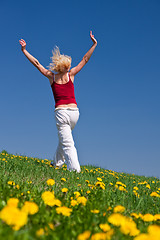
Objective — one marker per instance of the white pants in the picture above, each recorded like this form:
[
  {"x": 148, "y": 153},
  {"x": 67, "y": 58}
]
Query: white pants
[{"x": 66, "y": 119}]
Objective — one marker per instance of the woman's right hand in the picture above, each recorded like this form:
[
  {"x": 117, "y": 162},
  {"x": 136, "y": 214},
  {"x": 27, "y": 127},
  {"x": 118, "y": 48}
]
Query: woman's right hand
[
  {"x": 92, "y": 37},
  {"x": 23, "y": 44}
]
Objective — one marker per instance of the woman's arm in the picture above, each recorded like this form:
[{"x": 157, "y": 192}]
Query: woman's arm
[
  {"x": 86, "y": 57},
  {"x": 35, "y": 62}
]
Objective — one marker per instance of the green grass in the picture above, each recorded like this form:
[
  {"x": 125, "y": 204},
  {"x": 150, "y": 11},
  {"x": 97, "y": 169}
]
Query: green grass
[{"x": 31, "y": 174}]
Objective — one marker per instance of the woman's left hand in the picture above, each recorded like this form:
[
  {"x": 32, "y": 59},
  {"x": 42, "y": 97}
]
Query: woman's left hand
[
  {"x": 92, "y": 37},
  {"x": 23, "y": 44}
]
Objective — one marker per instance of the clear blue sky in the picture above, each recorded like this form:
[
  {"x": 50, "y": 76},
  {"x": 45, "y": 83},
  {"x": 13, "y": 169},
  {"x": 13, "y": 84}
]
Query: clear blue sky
[{"x": 118, "y": 90}]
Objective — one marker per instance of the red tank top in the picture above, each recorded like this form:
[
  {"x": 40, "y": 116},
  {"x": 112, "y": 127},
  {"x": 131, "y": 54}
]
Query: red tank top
[{"x": 63, "y": 93}]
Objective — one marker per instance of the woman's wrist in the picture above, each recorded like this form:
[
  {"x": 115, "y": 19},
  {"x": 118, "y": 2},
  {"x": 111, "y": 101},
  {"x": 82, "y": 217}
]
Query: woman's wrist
[
  {"x": 23, "y": 49},
  {"x": 95, "y": 44}
]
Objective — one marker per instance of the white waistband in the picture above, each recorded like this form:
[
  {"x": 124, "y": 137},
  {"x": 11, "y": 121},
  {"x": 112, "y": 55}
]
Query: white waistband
[{"x": 67, "y": 108}]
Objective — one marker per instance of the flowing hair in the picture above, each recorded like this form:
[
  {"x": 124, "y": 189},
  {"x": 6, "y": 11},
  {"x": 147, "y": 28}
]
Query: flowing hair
[{"x": 59, "y": 61}]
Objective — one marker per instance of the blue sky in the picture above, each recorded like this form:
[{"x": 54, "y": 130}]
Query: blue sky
[{"x": 117, "y": 91}]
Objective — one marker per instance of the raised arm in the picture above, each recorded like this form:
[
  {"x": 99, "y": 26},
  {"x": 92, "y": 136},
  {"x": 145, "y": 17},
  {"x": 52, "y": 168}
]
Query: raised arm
[
  {"x": 86, "y": 57},
  {"x": 35, "y": 62}
]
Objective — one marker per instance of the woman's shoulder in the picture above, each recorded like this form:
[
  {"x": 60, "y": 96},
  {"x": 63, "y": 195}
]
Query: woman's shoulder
[
  {"x": 51, "y": 78},
  {"x": 71, "y": 75}
]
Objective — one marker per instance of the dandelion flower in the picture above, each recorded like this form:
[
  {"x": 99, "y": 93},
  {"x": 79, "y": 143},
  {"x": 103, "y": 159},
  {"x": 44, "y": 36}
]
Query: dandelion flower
[
  {"x": 84, "y": 236},
  {"x": 116, "y": 219},
  {"x": 11, "y": 183},
  {"x": 63, "y": 179},
  {"x": 154, "y": 194},
  {"x": 64, "y": 211},
  {"x": 156, "y": 217},
  {"x": 14, "y": 217},
  {"x": 51, "y": 226},
  {"x": 77, "y": 194},
  {"x": 82, "y": 200},
  {"x": 105, "y": 227},
  {"x": 99, "y": 179},
  {"x": 48, "y": 198},
  {"x": 50, "y": 182},
  {"x": 30, "y": 208},
  {"x": 103, "y": 236},
  {"x": 129, "y": 227},
  {"x": 74, "y": 203},
  {"x": 119, "y": 208},
  {"x": 148, "y": 217},
  {"x": 95, "y": 211},
  {"x": 13, "y": 202},
  {"x": 64, "y": 190},
  {"x": 154, "y": 230},
  {"x": 40, "y": 232},
  {"x": 144, "y": 236}
]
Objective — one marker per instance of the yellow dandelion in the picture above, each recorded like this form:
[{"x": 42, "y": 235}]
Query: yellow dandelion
[
  {"x": 63, "y": 179},
  {"x": 99, "y": 183},
  {"x": 74, "y": 203},
  {"x": 134, "y": 215},
  {"x": 99, "y": 179},
  {"x": 119, "y": 208},
  {"x": 95, "y": 211},
  {"x": 129, "y": 227},
  {"x": 50, "y": 182},
  {"x": 156, "y": 217},
  {"x": 48, "y": 198},
  {"x": 103, "y": 236},
  {"x": 148, "y": 217},
  {"x": 116, "y": 219},
  {"x": 82, "y": 200},
  {"x": 30, "y": 208},
  {"x": 144, "y": 236},
  {"x": 56, "y": 202},
  {"x": 11, "y": 183},
  {"x": 105, "y": 227},
  {"x": 109, "y": 208},
  {"x": 154, "y": 194},
  {"x": 77, "y": 194},
  {"x": 51, "y": 226},
  {"x": 84, "y": 236},
  {"x": 120, "y": 183},
  {"x": 121, "y": 188},
  {"x": 13, "y": 217},
  {"x": 40, "y": 232},
  {"x": 102, "y": 186},
  {"x": 64, "y": 190},
  {"x": 64, "y": 211},
  {"x": 154, "y": 230},
  {"x": 135, "y": 193},
  {"x": 13, "y": 202}
]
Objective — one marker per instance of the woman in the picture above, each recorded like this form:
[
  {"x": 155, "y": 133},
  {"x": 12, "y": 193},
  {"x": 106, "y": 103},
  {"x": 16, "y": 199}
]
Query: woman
[{"x": 66, "y": 110}]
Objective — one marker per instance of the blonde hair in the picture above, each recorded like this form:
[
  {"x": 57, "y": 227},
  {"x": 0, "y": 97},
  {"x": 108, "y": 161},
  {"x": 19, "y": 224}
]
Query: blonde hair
[{"x": 59, "y": 61}]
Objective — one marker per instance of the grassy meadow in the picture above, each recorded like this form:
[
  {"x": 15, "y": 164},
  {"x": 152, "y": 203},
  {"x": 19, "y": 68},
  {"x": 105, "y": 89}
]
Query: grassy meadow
[{"x": 38, "y": 201}]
